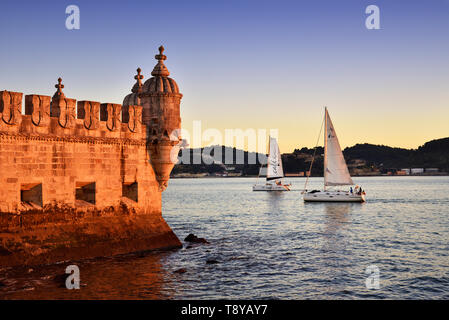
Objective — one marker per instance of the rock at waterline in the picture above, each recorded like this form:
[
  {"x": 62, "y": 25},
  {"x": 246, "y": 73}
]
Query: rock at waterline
[
  {"x": 211, "y": 261},
  {"x": 4, "y": 252},
  {"x": 182, "y": 270},
  {"x": 194, "y": 239},
  {"x": 60, "y": 279}
]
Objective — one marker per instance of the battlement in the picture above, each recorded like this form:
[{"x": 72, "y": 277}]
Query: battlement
[{"x": 66, "y": 118}]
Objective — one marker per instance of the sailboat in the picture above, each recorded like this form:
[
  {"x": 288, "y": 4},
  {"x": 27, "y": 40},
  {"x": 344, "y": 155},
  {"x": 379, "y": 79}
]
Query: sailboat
[
  {"x": 274, "y": 171},
  {"x": 335, "y": 171}
]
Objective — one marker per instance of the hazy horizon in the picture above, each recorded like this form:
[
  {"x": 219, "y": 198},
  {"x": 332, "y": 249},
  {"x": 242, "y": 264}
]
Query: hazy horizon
[{"x": 299, "y": 147}]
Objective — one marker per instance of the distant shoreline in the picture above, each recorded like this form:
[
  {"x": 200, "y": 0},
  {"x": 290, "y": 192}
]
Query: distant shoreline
[{"x": 201, "y": 176}]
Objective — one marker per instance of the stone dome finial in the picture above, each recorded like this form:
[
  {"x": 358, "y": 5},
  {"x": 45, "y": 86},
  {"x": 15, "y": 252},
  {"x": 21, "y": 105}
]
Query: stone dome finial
[
  {"x": 161, "y": 55},
  {"x": 137, "y": 87},
  {"x": 160, "y": 69},
  {"x": 59, "y": 86}
]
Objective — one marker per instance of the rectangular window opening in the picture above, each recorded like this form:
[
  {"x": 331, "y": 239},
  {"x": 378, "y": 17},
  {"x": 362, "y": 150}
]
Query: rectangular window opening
[
  {"x": 31, "y": 195},
  {"x": 129, "y": 190},
  {"x": 85, "y": 191}
]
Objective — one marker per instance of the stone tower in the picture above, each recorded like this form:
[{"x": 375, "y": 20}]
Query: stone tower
[{"x": 160, "y": 98}]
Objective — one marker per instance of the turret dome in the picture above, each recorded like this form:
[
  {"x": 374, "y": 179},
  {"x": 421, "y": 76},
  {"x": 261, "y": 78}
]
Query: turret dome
[
  {"x": 160, "y": 82},
  {"x": 133, "y": 99}
]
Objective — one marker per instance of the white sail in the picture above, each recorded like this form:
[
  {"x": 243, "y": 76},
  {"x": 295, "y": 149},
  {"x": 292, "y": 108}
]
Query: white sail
[
  {"x": 274, "y": 166},
  {"x": 335, "y": 169},
  {"x": 263, "y": 172}
]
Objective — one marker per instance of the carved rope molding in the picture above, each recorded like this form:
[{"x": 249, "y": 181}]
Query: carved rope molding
[{"x": 71, "y": 139}]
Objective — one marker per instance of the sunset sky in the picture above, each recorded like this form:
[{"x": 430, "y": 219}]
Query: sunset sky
[{"x": 248, "y": 64}]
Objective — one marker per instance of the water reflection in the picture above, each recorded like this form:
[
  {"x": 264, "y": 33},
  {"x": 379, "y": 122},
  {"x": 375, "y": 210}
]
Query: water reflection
[
  {"x": 337, "y": 215},
  {"x": 274, "y": 201},
  {"x": 275, "y": 245},
  {"x": 335, "y": 245},
  {"x": 137, "y": 276}
]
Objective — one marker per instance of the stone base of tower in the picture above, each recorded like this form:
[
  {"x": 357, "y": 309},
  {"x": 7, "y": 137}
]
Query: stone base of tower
[{"x": 63, "y": 234}]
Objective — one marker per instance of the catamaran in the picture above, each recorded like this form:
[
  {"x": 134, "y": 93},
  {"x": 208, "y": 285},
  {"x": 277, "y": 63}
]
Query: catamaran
[
  {"x": 274, "y": 171},
  {"x": 335, "y": 171}
]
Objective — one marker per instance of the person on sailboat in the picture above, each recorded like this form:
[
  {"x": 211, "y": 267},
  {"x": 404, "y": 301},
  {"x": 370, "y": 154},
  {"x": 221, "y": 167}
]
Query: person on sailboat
[
  {"x": 335, "y": 170},
  {"x": 274, "y": 171}
]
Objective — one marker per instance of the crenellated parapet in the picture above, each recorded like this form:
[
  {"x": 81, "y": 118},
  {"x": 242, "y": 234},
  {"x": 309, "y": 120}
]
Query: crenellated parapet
[{"x": 65, "y": 117}]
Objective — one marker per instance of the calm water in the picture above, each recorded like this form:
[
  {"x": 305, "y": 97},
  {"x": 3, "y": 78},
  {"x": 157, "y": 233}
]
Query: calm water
[{"x": 275, "y": 246}]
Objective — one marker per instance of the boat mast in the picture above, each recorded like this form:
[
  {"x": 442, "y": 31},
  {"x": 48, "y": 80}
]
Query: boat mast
[
  {"x": 309, "y": 173},
  {"x": 325, "y": 147},
  {"x": 268, "y": 158}
]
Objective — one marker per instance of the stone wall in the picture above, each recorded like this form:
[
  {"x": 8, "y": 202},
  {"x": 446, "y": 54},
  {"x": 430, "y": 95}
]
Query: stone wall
[{"x": 75, "y": 183}]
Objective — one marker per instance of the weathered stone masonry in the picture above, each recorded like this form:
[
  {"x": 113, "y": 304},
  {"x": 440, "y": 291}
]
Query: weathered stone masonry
[{"x": 84, "y": 179}]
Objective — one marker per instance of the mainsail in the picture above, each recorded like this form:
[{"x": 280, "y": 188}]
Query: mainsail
[
  {"x": 274, "y": 166},
  {"x": 335, "y": 169}
]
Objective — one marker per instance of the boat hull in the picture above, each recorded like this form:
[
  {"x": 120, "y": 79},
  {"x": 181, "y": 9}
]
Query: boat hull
[
  {"x": 270, "y": 187},
  {"x": 333, "y": 196}
]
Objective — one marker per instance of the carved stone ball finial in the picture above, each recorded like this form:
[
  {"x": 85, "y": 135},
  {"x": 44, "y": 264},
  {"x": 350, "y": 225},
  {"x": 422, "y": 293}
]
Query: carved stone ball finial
[
  {"x": 139, "y": 77},
  {"x": 160, "y": 69},
  {"x": 59, "y": 86},
  {"x": 161, "y": 55}
]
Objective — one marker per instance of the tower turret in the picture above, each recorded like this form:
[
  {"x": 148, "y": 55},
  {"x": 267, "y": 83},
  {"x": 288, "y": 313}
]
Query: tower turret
[{"x": 160, "y": 100}]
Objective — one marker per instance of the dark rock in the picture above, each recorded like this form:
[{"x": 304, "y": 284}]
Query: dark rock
[
  {"x": 182, "y": 270},
  {"x": 60, "y": 280},
  {"x": 190, "y": 237},
  {"x": 211, "y": 261},
  {"x": 4, "y": 252},
  {"x": 194, "y": 239}
]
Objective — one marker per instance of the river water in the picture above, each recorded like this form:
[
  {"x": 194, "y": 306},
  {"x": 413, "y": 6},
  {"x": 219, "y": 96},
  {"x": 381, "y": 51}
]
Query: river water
[{"x": 271, "y": 245}]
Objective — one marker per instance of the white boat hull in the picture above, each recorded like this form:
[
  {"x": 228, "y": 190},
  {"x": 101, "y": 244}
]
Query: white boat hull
[
  {"x": 270, "y": 187},
  {"x": 333, "y": 196}
]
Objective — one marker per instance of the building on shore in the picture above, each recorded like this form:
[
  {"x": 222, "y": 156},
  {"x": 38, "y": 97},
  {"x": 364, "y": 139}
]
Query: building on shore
[
  {"x": 406, "y": 171},
  {"x": 416, "y": 170},
  {"x": 84, "y": 179}
]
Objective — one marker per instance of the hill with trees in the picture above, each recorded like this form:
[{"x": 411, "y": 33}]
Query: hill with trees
[{"x": 361, "y": 159}]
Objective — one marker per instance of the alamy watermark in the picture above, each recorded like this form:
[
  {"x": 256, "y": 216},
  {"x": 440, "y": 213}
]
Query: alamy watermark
[
  {"x": 373, "y": 20},
  {"x": 252, "y": 139},
  {"x": 72, "y": 22},
  {"x": 373, "y": 280},
  {"x": 73, "y": 280}
]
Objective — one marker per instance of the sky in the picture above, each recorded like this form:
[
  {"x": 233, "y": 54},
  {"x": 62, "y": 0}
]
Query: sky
[{"x": 248, "y": 64}]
